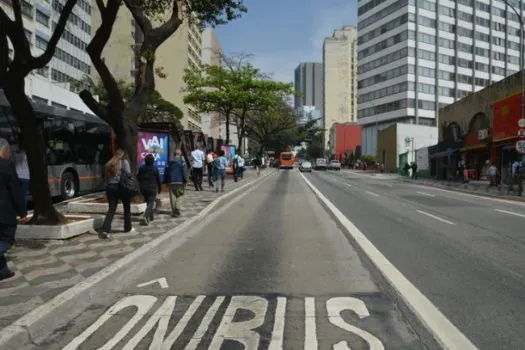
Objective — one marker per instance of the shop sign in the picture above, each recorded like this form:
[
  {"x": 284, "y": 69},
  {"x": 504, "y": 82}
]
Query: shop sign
[
  {"x": 520, "y": 146},
  {"x": 506, "y": 117},
  {"x": 483, "y": 134}
]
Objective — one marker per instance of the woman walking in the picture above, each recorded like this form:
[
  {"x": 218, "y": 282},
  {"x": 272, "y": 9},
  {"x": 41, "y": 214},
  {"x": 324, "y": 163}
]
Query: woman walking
[
  {"x": 114, "y": 168},
  {"x": 150, "y": 185}
]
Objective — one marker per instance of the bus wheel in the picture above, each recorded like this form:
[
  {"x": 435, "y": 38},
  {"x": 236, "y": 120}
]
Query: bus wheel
[{"x": 68, "y": 185}]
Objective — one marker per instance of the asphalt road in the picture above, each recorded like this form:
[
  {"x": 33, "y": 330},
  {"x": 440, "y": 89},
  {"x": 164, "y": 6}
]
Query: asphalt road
[
  {"x": 273, "y": 272},
  {"x": 465, "y": 253}
]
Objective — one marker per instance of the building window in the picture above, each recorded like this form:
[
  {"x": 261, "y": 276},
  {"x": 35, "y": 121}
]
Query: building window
[
  {"x": 42, "y": 18},
  {"x": 41, "y": 43},
  {"x": 38, "y": 99},
  {"x": 27, "y": 9}
]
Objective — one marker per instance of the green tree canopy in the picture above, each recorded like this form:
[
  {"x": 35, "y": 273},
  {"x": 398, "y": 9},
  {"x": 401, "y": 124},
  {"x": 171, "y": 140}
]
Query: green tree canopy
[{"x": 157, "y": 108}]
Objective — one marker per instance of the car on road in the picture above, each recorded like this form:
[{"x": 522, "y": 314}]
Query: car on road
[
  {"x": 320, "y": 164},
  {"x": 305, "y": 167},
  {"x": 334, "y": 165}
]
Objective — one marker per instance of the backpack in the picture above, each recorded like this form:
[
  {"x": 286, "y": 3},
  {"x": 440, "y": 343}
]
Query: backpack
[
  {"x": 216, "y": 163},
  {"x": 128, "y": 184}
]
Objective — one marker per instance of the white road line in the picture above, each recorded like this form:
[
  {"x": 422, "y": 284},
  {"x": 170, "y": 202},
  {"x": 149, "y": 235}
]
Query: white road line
[
  {"x": 389, "y": 185},
  {"x": 347, "y": 185},
  {"x": 435, "y": 217},
  {"x": 445, "y": 333},
  {"x": 510, "y": 213},
  {"x": 372, "y": 194},
  {"x": 425, "y": 194},
  {"x": 278, "y": 328},
  {"x": 310, "y": 334}
]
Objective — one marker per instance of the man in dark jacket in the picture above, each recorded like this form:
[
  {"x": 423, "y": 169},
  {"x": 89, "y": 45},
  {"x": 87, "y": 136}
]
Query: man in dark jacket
[
  {"x": 176, "y": 177},
  {"x": 150, "y": 185},
  {"x": 10, "y": 206}
]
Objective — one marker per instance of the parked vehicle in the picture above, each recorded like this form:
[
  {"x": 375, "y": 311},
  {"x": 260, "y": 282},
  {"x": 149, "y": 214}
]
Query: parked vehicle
[
  {"x": 320, "y": 164},
  {"x": 334, "y": 165},
  {"x": 305, "y": 167}
]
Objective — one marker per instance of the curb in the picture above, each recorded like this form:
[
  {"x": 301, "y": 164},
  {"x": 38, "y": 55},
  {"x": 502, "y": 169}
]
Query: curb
[
  {"x": 438, "y": 331},
  {"x": 518, "y": 199},
  {"x": 42, "y": 321}
]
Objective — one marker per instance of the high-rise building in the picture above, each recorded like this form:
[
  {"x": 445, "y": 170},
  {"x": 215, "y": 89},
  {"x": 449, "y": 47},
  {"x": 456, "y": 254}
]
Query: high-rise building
[
  {"x": 182, "y": 50},
  {"x": 339, "y": 86},
  {"x": 119, "y": 54},
  {"x": 414, "y": 60},
  {"x": 309, "y": 85},
  {"x": 211, "y": 55},
  {"x": 70, "y": 62}
]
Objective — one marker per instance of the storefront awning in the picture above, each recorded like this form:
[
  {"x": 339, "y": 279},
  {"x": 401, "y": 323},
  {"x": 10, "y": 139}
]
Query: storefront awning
[{"x": 473, "y": 147}]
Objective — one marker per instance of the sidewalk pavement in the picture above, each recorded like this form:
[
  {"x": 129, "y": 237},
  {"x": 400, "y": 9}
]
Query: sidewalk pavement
[
  {"x": 44, "y": 269},
  {"x": 480, "y": 188}
]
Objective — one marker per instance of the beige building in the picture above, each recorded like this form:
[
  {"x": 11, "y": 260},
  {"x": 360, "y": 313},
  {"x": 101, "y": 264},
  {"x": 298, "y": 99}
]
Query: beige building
[
  {"x": 340, "y": 78},
  {"x": 119, "y": 51},
  {"x": 211, "y": 54},
  {"x": 182, "y": 50}
]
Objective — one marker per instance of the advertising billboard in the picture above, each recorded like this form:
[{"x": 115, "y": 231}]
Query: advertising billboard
[
  {"x": 155, "y": 143},
  {"x": 505, "y": 117}
]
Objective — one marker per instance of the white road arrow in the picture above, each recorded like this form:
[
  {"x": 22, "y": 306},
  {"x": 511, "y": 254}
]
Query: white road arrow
[{"x": 161, "y": 281}]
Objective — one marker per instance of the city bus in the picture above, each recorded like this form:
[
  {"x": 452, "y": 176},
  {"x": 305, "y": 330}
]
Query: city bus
[
  {"x": 286, "y": 160},
  {"x": 76, "y": 146}
]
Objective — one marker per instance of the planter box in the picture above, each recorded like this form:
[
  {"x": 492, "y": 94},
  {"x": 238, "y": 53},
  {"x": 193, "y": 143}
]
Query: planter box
[
  {"x": 91, "y": 207},
  {"x": 81, "y": 225}
]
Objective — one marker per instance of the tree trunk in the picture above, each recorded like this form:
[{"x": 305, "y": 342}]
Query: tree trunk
[
  {"x": 227, "y": 120},
  {"x": 33, "y": 137},
  {"x": 180, "y": 136}
]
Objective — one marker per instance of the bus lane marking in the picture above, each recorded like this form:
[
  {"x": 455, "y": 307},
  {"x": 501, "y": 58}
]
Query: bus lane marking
[{"x": 229, "y": 329}]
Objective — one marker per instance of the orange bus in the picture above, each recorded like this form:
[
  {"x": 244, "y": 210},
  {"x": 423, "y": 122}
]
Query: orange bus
[{"x": 286, "y": 160}]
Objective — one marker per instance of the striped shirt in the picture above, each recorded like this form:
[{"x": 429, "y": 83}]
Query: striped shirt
[{"x": 22, "y": 168}]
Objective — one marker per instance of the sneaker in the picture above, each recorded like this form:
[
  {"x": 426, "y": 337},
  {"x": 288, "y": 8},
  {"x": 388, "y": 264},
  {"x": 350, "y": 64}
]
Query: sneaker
[
  {"x": 104, "y": 235},
  {"x": 217, "y": 190},
  {"x": 145, "y": 221},
  {"x": 132, "y": 230}
]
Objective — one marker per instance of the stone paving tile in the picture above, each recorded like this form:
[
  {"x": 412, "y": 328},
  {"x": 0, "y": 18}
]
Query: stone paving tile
[{"x": 44, "y": 269}]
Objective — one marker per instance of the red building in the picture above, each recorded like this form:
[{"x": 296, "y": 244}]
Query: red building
[{"x": 344, "y": 137}]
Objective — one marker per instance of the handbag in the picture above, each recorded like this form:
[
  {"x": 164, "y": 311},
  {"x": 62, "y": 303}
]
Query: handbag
[{"x": 128, "y": 184}]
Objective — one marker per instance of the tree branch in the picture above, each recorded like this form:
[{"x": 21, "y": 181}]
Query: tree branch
[
  {"x": 96, "y": 107},
  {"x": 100, "y": 5},
  {"x": 4, "y": 52},
  {"x": 162, "y": 33},
  {"x": 42, "y": 60},
  {"x": 95, "y": 48},
  {"x": 17, "y": 11},
  {"x": 138, "y": 15}
]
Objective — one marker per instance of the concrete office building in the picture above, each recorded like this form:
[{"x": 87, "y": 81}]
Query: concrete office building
[
  {"x": 71, "y": 62},
  {"x": 211, "y": 54},
  {"x": 309, "y": 85},
  {"x": 340, "y": 84},
  {"x": 414, "y": 60},
  {"x": 119, "y": 53}
]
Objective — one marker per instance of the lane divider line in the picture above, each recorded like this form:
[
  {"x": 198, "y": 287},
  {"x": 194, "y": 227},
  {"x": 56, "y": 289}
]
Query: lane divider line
[
  {"x": 444, "y": 332},
  {"x": 435, "y": 217},
  {"x": 510, "y": 213},
  {"x": 372, "y": 194},
  {"x": 425, "y": 194}
]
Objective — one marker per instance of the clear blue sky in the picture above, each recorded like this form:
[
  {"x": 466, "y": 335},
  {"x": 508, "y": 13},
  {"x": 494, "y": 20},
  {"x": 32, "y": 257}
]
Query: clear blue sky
[{"x": 282, "y": 33}]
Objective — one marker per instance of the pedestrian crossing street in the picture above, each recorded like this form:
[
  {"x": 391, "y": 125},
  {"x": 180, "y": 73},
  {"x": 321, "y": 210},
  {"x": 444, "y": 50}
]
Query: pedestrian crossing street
[{"x": 233, "y": 322}]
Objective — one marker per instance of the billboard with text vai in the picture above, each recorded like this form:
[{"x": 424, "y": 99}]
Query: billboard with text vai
[{"x": 155, "y": 143}]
